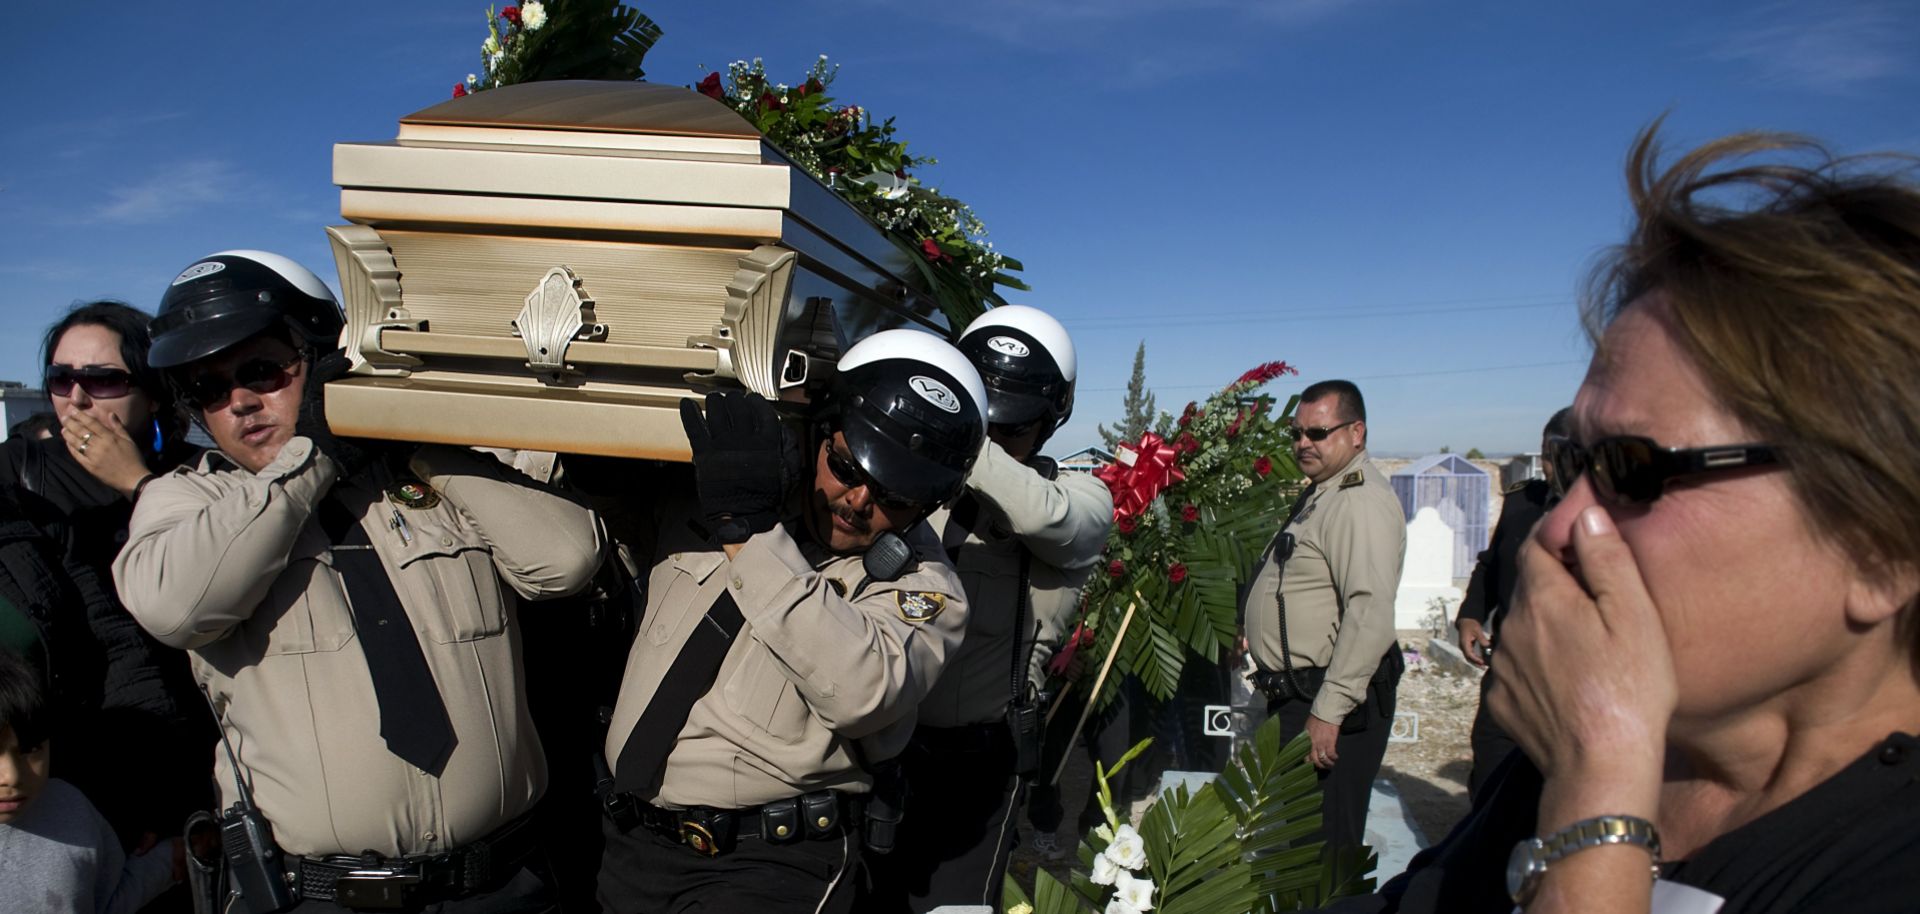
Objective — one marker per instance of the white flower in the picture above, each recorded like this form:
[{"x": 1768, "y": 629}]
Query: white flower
[
  {"x": 1137, "y": 893},
  {"x": 1104, "y": 833},
  {"x": 533, "y": 14},
  {"x": 472, "y": 79},
  {"x": 490, "y": 47},
  {"x": 1105, "y": 871},
  {"x": 1021, "y": 908},
  {"x": 1119, "y": 906},
  {"x": 1127, "y": 848}
]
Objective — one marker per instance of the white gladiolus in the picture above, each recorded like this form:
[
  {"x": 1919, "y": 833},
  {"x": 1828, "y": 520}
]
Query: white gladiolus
[
  {"x": 533, "y": 14},
  {"x": 1127, "y": 848},
  {"x": 490, "y": 47},
  {"x": 1105, "y": 871},
  {"x": 1117, "y": 906},
  {"x": 1137, "y": 893},
  {"x": 1104, "y": 833}
]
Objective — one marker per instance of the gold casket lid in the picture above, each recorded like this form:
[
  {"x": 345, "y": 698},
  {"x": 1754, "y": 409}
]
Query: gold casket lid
[{"x": 590, "y": 105}]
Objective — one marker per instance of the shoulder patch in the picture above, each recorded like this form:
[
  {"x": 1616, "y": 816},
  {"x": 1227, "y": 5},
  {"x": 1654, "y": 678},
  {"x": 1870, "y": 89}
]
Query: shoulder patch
[
  {"x": 916, "y": 606},
  {"x": 1352, "y": 479},
  {"x": 1514, "y": 488},
  {"x": 412, "y": 493}
]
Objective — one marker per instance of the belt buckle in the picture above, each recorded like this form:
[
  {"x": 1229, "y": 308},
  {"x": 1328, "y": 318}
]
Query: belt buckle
[{"x": 375, "y": 890}]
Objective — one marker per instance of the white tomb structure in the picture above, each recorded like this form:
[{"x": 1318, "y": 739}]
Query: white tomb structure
[{"x": 1427, "y": 573}]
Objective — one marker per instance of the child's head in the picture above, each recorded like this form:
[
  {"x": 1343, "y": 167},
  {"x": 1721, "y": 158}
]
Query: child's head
[{"x": 23, "y": 737}]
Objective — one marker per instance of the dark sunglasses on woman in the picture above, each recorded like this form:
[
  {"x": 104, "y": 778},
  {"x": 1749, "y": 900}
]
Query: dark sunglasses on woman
[
  {"x": 851, "y": 476},
  {"x": 210, "y": 390},
  {"x": 1633, "y": 470},
  {"x": 100, "y": 383}
]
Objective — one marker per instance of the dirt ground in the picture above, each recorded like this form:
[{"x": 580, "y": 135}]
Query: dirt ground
[{"x": 1430, "y": 772}]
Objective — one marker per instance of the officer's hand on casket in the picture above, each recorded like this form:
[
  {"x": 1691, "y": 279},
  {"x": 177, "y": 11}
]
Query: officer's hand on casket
[
  {"x": 743, "y": 461},
  {"x": 352, "y": 455}
]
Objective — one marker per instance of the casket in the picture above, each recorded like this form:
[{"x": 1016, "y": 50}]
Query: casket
[{"x": 552, "y": 266}]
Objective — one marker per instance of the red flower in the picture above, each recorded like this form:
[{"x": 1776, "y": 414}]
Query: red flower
[
  {"x": 1116, "y": 568},
  {"x": 813, "y": 87},
  {"x": 1233, "y": 428},
  {"x": 1177, "y": 573},
  {"x": 1190, "y": 513},
  {"x": 1186, "y": 443},
  {"x": 459, "y": 90},
  {"x": 1185, "y": 419},
  {"x": 710, "y": 87},
  {"x": 932, "y": 249},
  {"x": 1263, "y": 373},
  {"x": 1263, "y": 466},
  {"x": 511, "y": 14},
  {"x": 772, "y": 101},
  {"x": 1128, "y": 524}
]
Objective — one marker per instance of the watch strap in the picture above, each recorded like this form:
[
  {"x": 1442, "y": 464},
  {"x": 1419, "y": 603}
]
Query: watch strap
[{"x": 1598, "y": 831}]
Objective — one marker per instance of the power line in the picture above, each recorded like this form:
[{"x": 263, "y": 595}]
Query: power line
[{"x": 1374, "y": 377}]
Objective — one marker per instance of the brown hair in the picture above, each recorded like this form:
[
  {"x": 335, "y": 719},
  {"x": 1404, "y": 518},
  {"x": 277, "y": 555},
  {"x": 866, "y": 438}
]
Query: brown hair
[{"x": 1794, "y": 285}]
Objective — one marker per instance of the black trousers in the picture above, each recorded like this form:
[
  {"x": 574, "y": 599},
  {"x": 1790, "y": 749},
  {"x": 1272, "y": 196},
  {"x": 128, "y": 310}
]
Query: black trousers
[
  {"x": 645, "y": 873},
  {"x": 961, "y": 823},
  {"x": 526, "y": 893},
  {"x": 1490, "y": 743},
  {"x": 1346, "y": 788},
  {"x": 1109, "y": 733}
]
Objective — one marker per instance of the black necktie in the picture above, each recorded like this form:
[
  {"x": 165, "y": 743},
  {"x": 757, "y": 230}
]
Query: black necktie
[
  {"x": 691, "y": 676},
  {"x": 413, "y": 719}
]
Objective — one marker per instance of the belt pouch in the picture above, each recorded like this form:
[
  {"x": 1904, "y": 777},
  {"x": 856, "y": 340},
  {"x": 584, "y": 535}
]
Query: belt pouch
[
  {"x": 822, "y": 812},
  {"x": 780, "y": 821}
]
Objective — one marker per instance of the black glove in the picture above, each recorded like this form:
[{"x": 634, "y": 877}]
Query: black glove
[
  {"x": 351, "y": 455},
  {"x": 741, "y": 462}
]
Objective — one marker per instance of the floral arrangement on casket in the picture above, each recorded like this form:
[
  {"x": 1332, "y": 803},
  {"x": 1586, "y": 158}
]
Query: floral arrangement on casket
[
  {"x": 838, "y": 144},
  {"x": 1191, "y": 517},
  {"x": 1244, "y": 842}
]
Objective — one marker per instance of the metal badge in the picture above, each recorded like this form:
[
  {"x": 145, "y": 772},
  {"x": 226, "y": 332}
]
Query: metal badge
[
  {"x": 919, "y": 607},
  {"x": 413, "y": 493}
]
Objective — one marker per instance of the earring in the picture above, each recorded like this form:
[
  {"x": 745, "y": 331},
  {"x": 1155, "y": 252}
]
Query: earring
[{"x": 159, "y": 438}]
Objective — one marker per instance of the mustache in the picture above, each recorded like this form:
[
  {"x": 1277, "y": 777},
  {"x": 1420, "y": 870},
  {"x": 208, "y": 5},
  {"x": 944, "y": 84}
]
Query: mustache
[{"x": 857, "y": 521}]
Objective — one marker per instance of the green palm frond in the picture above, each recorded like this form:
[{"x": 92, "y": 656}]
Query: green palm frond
[{"x": 1274, "y": 797}]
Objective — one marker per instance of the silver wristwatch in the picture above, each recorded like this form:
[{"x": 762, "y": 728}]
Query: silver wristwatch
[{"x": 1530, "y": 857}]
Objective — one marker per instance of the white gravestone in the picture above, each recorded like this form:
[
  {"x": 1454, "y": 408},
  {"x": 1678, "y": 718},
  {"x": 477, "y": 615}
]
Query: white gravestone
[{"x": 1427, "y": 573}]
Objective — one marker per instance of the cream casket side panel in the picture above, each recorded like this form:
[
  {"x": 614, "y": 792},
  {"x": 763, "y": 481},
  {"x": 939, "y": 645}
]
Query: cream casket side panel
[{"x": 390, "y": 166}]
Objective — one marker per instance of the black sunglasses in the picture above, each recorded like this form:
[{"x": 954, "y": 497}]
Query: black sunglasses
[
  {"x": 1633, "y": 470},
  {"x": 99, "y": 383},
  {"x": 1317, "y": 432},
  {"x": 851, "y": 476},
  {"x": 210, "y": 390}
]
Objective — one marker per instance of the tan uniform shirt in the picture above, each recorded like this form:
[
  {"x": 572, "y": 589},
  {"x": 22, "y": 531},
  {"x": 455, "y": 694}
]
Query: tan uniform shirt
[
  {"x": 1349, "y": 541},
  {"x": 1063, "y": 522},
  {"x": 811, "y": 670},
  {"x": 235, "y": 567}
]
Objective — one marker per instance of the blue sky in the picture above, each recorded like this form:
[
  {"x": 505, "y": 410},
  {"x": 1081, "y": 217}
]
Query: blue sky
[{"x": 1404, "y": 193}]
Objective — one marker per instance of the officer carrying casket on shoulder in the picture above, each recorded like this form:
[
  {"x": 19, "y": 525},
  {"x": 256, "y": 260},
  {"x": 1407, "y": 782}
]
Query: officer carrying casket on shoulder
[
  {"x": 1023, "y": 538},
  {"x": 784, "y": 649},
  {"x": 350, "y": 609}
]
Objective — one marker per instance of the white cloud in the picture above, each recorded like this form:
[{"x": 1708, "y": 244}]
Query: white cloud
[
  {"x": 1829, "y": 47},
  {"x": 172, "y": 192}
]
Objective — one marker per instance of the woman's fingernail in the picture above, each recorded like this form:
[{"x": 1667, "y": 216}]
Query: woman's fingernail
[{"x": 1596, "y": 521}]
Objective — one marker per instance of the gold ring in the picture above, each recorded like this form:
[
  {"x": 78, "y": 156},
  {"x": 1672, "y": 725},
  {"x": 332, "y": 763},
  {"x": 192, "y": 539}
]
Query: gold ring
[{"x": 83, "y": 447}]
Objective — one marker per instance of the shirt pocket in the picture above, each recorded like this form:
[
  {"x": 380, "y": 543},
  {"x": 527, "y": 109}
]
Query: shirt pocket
[
  {"x": 991, "y": 582},
  {"x": 447, "y": 578},
  {"x": 305, "y": 611},
  {"x": 763, "y": 695},
  {"x": 674, "y": 594}
]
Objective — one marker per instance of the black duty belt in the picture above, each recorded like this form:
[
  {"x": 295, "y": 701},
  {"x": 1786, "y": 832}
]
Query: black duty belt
[
  {"x": 375, "y": 883},
  {"x": 708, "y": 831}
]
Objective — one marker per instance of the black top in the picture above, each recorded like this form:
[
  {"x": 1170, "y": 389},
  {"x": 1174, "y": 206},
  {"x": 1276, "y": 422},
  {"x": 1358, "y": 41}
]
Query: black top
[
  {"x": 1491, "y": 588},
  {"x": 1848, "y": 845}
]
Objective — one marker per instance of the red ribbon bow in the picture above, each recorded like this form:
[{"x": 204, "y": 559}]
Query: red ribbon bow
[{"x": 1140, "y": 474}]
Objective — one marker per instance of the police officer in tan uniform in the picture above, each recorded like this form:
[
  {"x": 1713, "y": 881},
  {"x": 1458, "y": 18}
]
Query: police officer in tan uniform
[
  {"x": 783, "y": 651},
  {"x": 350, "y": 613},
  {"x": 1023, "y": 538},
  {"x": 1319, "y": 613}
]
